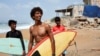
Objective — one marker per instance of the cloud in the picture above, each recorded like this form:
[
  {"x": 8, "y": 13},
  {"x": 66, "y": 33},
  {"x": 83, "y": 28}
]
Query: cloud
[
  {"x": 20, "y": 9},
  {"x": 31, "y": 4},
  {"x": 2, "y": 6},
  {"x": 53, "y": 1},
  {"x": 28, "y": 5},
  {"x": 12, "y": 12},
  {"x": 38, "y": 4},
  {"x": 5, "y": 12},
  {"x": 23, "y": 10}
]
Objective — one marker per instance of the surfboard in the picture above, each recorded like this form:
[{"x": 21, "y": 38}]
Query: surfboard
[
  {"x": 62, "y": 41},
  {"x": 12, "y": 46}
]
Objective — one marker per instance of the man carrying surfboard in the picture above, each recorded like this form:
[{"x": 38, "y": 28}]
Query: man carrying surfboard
[
  {"x": 39, "y": 30},
  {"x": 15, "y": 34},
  {"x": 58, "y": 28}
]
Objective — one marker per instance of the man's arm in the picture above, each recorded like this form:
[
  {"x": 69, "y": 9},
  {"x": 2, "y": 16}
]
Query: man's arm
[
  {"x": 51, "y": 39},
  {"x": 30, "y": 41},
  {"x": 22, "y": 42}
]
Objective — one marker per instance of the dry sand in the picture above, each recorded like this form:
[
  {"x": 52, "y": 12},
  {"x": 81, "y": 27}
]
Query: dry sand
[{"x": 87, "y": 42}]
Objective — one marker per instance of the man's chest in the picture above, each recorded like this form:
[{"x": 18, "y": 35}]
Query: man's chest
[
  {"x": 14, "y": 34},
  {"x": 58, "y": 28},
  {"x": 40, "y": 30}
]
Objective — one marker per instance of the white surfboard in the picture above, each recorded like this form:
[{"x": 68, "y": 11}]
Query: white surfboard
[{"x": 12, "y": 46}]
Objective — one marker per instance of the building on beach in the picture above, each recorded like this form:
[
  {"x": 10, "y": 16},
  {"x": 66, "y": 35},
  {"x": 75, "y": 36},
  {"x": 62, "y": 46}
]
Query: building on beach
[
  {"x": 92, "y": 2},
  {"x": 76, "y": 11},
  {"x": 72, "y": 10}
]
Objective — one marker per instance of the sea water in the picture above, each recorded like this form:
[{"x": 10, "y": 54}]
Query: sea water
[{"x": 5, "y": 28}]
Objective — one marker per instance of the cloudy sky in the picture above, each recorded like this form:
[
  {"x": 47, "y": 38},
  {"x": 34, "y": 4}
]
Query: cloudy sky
[{"x": 20, "y": 9}]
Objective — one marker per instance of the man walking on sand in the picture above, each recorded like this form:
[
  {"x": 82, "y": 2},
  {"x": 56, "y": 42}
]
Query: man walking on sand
[
  {"x": 58, "y": 28},
  {"x": 39, "y": 30},
  {"x": 15, "y": 34}
]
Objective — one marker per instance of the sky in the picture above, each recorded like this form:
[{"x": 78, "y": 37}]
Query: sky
[{"x": 20, "y": 9}]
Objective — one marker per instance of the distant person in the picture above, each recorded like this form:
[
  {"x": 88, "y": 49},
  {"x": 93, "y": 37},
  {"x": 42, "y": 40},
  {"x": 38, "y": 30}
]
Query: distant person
[
  {"x": 39, "y": 30},
  {"x": 58, "y": 28},
  {"x": 15, "y": 34}
]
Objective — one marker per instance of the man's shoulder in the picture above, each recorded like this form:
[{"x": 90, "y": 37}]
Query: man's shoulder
[
  {"x": 54, "y": 27},
  {"x": 18, "y": 31},
  {"x": 31, "y": 27},
  {"x": 62, "y": 26},
  {"x": 45, "y": 24},
  {"x": 9, "y": 32}
]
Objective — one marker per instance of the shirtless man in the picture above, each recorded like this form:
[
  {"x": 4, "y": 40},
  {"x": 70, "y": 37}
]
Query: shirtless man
[{"x": 39, "y": 30}]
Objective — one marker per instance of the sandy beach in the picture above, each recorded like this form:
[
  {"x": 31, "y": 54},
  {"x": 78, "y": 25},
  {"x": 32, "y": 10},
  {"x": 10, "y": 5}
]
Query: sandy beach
[{"x": 87, "y": 42}]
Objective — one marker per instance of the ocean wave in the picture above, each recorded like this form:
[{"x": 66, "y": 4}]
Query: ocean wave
[{"x": 5, "y": 28}]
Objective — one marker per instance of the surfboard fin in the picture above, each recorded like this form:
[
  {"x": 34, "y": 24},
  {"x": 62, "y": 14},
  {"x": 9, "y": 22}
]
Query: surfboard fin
[{"x": 36, "y": 53}]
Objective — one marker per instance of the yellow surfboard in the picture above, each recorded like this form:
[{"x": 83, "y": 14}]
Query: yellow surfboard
[{"x": 62, "y": 41}]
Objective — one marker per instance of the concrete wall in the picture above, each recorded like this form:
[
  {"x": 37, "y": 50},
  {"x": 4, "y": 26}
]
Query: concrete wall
[{"x": 78, "y": 10}]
